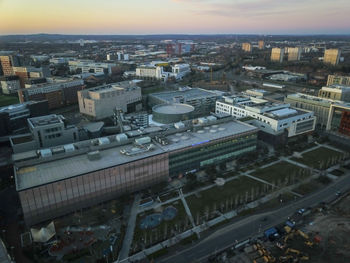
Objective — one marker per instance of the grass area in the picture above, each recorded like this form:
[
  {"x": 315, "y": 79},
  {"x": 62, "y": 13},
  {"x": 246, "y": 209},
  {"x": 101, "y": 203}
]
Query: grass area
[
  {"x": 223, "y": 198},
  {"x": 320, "y": 158},
  {"x": 312, "y": 186},
  {"x": 167, "y": 229},
  {"x": 282, "y": 173},
  {"x": 158, "y": 254},
  {"x": 8, "y": 100}
]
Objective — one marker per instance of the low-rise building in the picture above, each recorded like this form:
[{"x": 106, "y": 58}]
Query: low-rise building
[
  {"x": 58, "y": 92},
  {"x": 340, "y": 80},
  {"x": 10, "y": 84},
  {"x": 275, "y": 119},
  {"x": 90, "y": 66},
  {"x": 101, "y": 102},
  {"x": 90, "y": 172},
  {"x": 335, "y": 92}
]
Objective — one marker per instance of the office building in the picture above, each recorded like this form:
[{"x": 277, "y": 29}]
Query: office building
[
  {"x": 277, "y": 55},
  {"x": 10, "y": 84},
  {"x": 7, "y": 63},
  {"x": 149, "y": 72},
  {"x": 276, "y": 121},
  {"x": 25, "y": 73},
  {"x": 58, "y": 92},
  {"x": 336, "y": 79},
  {"x": 335, "y": 92},
  {"x": 294, "y": 53},
  {"x": 13, "y": 118},
  {"x": 91, "y": 172},
  {"x": 155, "y": 72},
  {"x": 261, "y": 44},
  {"x": 247, "y": 47},
  {"x": 180, "y": 47},
  {"x": 202, "y": 100},
  {"x": 331, "y": 56},
  {"x": 90, "y": 66},
  {"x": 45, "y": 131},
  {"x": 101, "y": 102},
  {"x": 339, "y": 119}
]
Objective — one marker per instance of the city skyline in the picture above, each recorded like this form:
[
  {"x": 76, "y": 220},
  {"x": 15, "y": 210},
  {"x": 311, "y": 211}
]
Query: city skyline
[{"x": 174, "y": 17}]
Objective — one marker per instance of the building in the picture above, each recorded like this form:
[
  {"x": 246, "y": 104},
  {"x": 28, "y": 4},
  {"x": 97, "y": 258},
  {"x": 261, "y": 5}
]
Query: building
[
  {"x": 276, "y": 121},
  {"x": 7, "y": 62},
  {"x": 202, "y": 100},
  {"x": 91, "y": 172},
  {"x": 149, "y": 72},
  {"x": 10, "y": 84},
  {"x": 294, "y": 53},
  {"x": 25, "y": 73},
  {"x": 90, "y": 66},
  {"x": 277, "y": 54},
  {"x": 154, "y": 71},
  {"x": 335, "y": 92},
  {"x": 331, "y": 56},
  {"x": 339, "y": 119},
  {"x": 179, "y": 71},
  {"x": 13, "y": 118},
  {"x": 101, "y": 102},
  {"x": 247, "y": 47},
  {"x": 45, "y": 131},
  {"x": 180, "y": 47},
  {"x": 258, "y": 93},
  {"x": 58, "y": 92},
  {"x": 320, "y": 106},
  {"x": 261, "y": 44},
  {"x": 336, "y": 79}
]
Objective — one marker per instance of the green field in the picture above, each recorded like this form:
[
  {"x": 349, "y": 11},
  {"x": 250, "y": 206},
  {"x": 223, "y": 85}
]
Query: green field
[
  {"x": 281, "y": 172},
  {"x": 8, "y": 100},
  {"x": 222, "y": 198},
  {"x": 320, "y": 158}
]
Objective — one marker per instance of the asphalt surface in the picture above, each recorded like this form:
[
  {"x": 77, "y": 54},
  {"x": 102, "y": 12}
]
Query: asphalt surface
[{"x": 253, "y": 225}]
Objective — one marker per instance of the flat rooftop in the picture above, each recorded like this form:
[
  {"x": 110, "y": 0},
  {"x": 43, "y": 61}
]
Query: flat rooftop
[
  {"x": 45, "y": 120},
  {"x": 186, "y": 93},
  {"x": 36, "y": 174}
]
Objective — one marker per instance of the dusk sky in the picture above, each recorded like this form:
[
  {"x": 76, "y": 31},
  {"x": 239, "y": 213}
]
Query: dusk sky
[{"x": 175, "y": 16}]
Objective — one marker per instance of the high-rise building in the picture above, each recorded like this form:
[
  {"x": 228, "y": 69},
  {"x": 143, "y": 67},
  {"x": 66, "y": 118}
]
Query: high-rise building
[
  {"x": 331, "y": 56},
  {"x": 277, "y": 54},
  {"x": 261, "y": 44},
  {"x": 7, "y": 63},
  {"x": 294, "y": 53},
  {"x": 341, "y": 80},
  {"x": 247, "y": 47}
]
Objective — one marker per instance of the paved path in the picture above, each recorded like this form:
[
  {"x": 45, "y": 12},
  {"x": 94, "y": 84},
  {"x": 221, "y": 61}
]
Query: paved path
[
  {"x": 124, "y": 252},
  {"x": 187, "y": 209}
]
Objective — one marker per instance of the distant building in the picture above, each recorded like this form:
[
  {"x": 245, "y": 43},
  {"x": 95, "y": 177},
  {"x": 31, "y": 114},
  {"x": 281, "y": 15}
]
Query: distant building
[
  {"x": 45, "y": 131},
  {"x": 294, "y": 53},
  {"x": 149, "y": 72},
  {"x": 202, "y": 100},
  {"x": 331, "y": 56},
  {"x": 89, "y": 66},
  {"x": 335, "y": 92},
  {"x": 100, "y": 102},
  {"x": 261, "y": 44},
  {"x": 336, "y": 79},
  {"x": 247, "y": 47},
  {"x": 277, "y": 55},
  {"x": 277, "y": 121},
  {"x": 180, "y": 70},
  {"x": 258, "y": 93},
  {"x": 13, "y": 118},
  {"x": 7, "y": 63},
  {"x": 180, "y": 47},
  {"x": 10, "y": 84},
  {"x": 58, "y": 92},
  {"x": 25, "y": 73}
]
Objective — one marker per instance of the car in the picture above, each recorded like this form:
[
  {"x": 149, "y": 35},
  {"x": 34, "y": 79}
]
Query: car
[
  {"x": 338, "y": 193},
  {"x": 301, "y": 211}
]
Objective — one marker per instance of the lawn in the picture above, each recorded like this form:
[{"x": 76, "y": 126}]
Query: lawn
[
  {"x": 320, "y": 158},
  {"x": 8, "y": 100},
  {"x": 223, "y": 198},
  {"x": 166, "y": 229},
  {"x": 312, "y": 186},
  {"x": 282, "y": 173}
]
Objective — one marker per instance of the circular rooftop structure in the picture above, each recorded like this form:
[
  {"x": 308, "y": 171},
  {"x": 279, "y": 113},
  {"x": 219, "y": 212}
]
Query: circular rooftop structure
[{"x": 171, "y": 113}]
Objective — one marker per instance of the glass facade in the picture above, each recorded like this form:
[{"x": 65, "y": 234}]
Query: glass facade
[{"x": 199, "y": 156}]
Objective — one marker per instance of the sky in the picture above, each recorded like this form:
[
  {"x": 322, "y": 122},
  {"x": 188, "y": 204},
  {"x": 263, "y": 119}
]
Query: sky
[{"x": 175, "y": 16}]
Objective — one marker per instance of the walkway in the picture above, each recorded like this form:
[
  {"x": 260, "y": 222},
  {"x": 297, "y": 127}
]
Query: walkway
[
  {"x": 124, "y": 252},
  {"x": 187, "y": 209}
]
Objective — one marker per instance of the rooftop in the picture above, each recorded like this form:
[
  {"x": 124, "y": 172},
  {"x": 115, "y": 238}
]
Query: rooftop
[
  {"x": 186, "y": 92},
  {"x": 46, "y": 120},
  {"x": 43, "y": 171}
]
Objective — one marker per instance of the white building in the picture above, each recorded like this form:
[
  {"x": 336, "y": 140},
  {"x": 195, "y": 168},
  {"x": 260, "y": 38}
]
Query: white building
[
  {"x": 180, "y": 70},
  {"x": 269, "y": 117},
  {"x": 100, "y": 102},
  {"x": 89, "y": 66},
  {"x": 157, "y": 72}
]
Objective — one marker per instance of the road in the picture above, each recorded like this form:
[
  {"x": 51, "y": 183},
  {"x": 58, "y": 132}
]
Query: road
[{"x": 250, "y": 226}]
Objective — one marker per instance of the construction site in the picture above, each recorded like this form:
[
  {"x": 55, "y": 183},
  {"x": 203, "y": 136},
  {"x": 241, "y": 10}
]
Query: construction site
[{"x": 315, "y": 235}]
